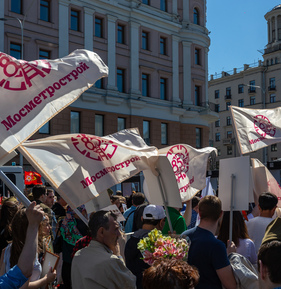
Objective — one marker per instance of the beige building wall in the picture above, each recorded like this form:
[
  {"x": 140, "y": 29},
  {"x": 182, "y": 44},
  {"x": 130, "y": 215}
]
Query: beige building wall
[
  {"x": 265, "y": 93},
  {"x": 186, "y": 75}
]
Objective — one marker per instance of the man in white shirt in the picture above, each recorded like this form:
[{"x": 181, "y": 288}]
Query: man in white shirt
[{"x": 256, "y": 226}]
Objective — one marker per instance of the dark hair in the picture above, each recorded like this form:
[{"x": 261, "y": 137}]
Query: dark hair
[
  {"x": 38, "y": 191},
  {"x": 151, "y": 222},
  {"x": 210, "y": 208},
  {"x": 269, "y": 254},
  {"x": 239, "y": 230},
  {"x": 138, "y": 198},
  {"x": 8, "y": 211},
  {"x": 195, "y": 201},
  {"x": 168, "y": 273},
  {"x": 268, "y": 201},
  {"x": 98, "y": 220},
  {"x": 50, "y": 191}
]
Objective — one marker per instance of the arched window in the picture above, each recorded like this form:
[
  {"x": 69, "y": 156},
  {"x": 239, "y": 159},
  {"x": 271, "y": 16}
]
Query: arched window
[{"x": 195, "y": 16}]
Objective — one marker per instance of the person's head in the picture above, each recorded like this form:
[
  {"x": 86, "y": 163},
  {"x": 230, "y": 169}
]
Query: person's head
[
  {"x": 154, "y": 216},
  {"x": 239, "y": 230},
  {"x": 210, "y": 208},
  {"x": 39, "y": 193},
  {"x": 194, "y": 203},
  {"x": 138, "y": 199},
  {"x": 50, "y": 200},
  {"x": 104, "y": 228},
  {"x": 119, "y": 193},
  {"x": 268, "y": 202},
  {"x": 269, "y": 265},
  {"x": 8, "y": 211},
  {"x": 167, "y": 274},
  {"x": 60, "y": 200},
  {"x": 45, "y": 226}
]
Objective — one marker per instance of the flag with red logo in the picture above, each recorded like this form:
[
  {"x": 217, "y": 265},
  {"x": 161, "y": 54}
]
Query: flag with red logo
[
  {"x": 190, "y": 166},
  {"x": 256, "y": 128},
  {"x": 33, "y": 92},
  {"x": 80, "y": 166},
  {"x": 264, "y": 181},
  {"x": 32, "y": 178}
]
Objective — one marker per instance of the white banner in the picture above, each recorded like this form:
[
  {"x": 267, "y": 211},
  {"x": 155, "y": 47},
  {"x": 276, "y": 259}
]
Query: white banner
[
  {"x": 33, "y": 92},
  {"x": 256, "y": 128},
  {"x": 264, "y": 181},
  {"x": 81, "y": 166},
  {"x": 189, "y": 165}
]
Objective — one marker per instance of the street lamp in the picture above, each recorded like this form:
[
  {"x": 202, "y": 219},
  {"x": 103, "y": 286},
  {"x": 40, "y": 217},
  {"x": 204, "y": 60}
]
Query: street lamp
[{"x": 21, "y": 27}]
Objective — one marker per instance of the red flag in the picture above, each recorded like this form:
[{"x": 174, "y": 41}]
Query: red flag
[{"x": 32, "y": 178}]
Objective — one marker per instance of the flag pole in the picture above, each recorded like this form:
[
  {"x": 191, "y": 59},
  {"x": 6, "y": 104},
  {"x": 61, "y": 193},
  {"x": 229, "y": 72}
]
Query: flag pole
[
  {"x": 231, "y": 207},
  {"x": 235, "y": 132},
  {"x": 159, "y": 178},
  {"x": 15, "y": 190}
]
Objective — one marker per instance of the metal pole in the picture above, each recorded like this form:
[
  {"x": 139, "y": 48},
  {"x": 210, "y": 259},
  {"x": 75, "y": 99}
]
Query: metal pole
[
  {"x": 231, "y": 207},
  {"x": 164, "y": 200},
  {"x": 15, "y": 190}
]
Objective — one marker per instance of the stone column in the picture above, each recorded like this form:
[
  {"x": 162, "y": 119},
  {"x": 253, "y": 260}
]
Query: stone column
[
  {"x": 134, "y": 61},
  {"x": 187, "y": 73},
  {"x": 276, "y": 29},
  {"x": 270, "y": 30},
  {"x": 175, "y": 59},
  {"x": 175, "y": 7},
  {"x": 89, "y": 28},
  {"x": 111, "y": 51},
  {"x": 185, "y": 5},
  {"x": 206, "y": 50},
  {"x": 63, "y": 28}
]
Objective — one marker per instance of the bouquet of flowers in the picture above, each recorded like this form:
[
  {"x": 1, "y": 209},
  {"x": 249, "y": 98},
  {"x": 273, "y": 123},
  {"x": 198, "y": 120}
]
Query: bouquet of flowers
[{"x": 156, "y": 246}]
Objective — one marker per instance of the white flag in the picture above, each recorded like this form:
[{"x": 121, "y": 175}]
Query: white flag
[
  {"x": 189, "y": 165},
  {"x": 256, "y": 128},
  {"x": 81, "y": 166},
  {"x": 33, "y": 92},
  {"x": 264, "y": 181}
]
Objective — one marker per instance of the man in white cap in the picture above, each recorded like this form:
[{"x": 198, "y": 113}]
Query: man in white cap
[{"x": 153, "y": 217}]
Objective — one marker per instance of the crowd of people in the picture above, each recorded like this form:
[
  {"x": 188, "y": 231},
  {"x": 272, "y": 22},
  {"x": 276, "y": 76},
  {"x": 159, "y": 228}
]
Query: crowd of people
[{"x": 104, "y": 253}]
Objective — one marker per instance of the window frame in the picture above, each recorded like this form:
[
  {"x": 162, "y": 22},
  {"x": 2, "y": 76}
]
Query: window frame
[
  {"x": 272, "y": 98},
  {"x": 73, "y": 117},
  {"x": 145, "y": 40},
  {"x": 217, "y": 94},
  {"x": 240, "y": 88},
  {"x": 97, "y": 117},
  {"x": 197, "y": 54},
  {"x": 163, "y": 5},
  {"x": 163, "y": 88},
  {"x": 40, "y": 56},
  {"x": 145, "y": 84},
  {"x": 119, "y": 119},
  {"x": 75, "y": 25},
  {"x": 241, "y": 102},
  {"x": 252, "y": 100},
  {"x": 146, "y": 131},
  {"x": 48, "y": 8},
  {"x": 15, "y": 50},
  {"x": 99, "y": 27},
  {"x": 196, "y": 16},
  {"x": 217, "y": 136},
  {"x": 163, "y": 45},
  {"x": 164, "y": 133},
  {"x": 120, "y": 33},
  {"x": 198, "y": 137},
  {"x": 14, "y": 8},
  {"x": 120, "y": 76}
]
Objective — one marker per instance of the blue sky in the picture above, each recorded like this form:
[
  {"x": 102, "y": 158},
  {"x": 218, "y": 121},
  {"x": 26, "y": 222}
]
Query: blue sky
[{"x": 238, "y": 30}]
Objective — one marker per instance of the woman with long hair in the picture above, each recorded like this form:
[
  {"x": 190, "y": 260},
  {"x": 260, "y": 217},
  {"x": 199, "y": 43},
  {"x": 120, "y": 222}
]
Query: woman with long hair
[
  {"x": 240, "y": 237},
  {"x": 8, "y": 210},
  {"x": 11, "y": 253}
]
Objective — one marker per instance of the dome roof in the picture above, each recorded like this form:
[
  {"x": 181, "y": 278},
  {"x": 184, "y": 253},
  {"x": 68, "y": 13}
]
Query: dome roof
[{"x": 277, "y": 7}]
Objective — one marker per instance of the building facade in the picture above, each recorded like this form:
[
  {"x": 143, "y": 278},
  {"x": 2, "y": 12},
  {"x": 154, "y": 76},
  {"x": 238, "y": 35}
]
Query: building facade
[
  {"x": 253, "y": 86},
  {"x": 156, "y": 51}
]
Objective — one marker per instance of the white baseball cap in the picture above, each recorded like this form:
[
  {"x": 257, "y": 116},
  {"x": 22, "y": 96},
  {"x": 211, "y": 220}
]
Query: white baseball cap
[{"x": 153, "y": 212}]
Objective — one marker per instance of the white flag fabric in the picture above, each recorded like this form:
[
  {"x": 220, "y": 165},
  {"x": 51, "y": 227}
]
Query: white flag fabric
[
  {"x": 208, "y": 190},
  {"x": 81, "y": 166},
  {"x": 264, "y": 181},
  {"x": 33, "y": 92},
  {"x": 256, "y": 128},
  {"x": 189, "y": 165}
]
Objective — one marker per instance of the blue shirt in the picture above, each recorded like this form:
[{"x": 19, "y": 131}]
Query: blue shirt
[
  {"x": 129, "y": 223},
  {"x": 13, "y": 279},
  {"x": 207, "y": 254}
]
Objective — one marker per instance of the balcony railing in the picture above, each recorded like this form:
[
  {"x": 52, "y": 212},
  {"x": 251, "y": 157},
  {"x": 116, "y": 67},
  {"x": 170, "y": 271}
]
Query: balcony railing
[
  {"x": 228, "y": 141},
  {"x": 228, "y": 96},
  {"x": 272, "y": 87},
  {"x": 252, "y": 90}
]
